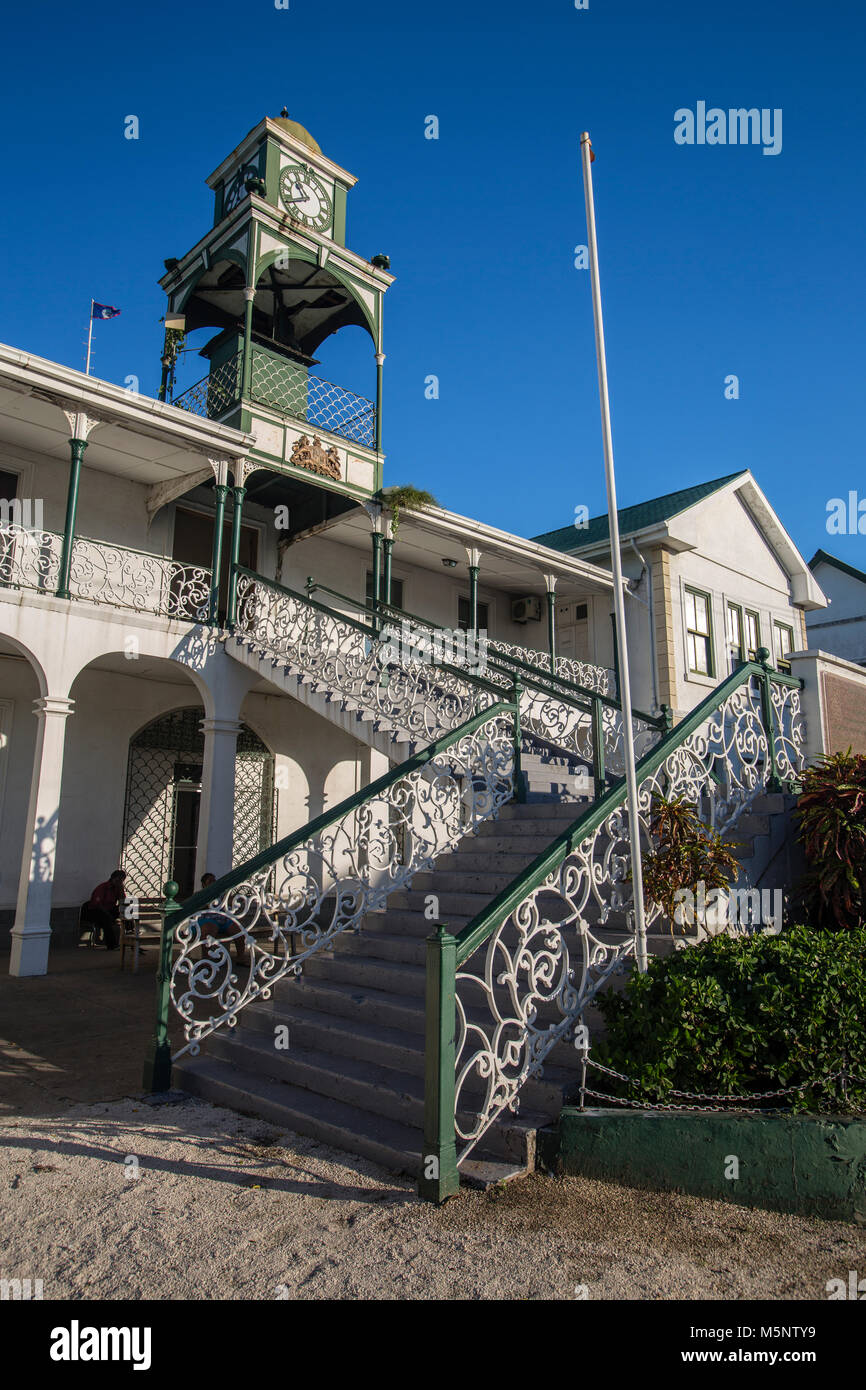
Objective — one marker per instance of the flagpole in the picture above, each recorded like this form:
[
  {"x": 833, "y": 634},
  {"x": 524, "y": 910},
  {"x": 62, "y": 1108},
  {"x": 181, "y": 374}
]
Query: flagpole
[
  {"x": 616, "y": 562},
  {"x": 89, "y": 341}
]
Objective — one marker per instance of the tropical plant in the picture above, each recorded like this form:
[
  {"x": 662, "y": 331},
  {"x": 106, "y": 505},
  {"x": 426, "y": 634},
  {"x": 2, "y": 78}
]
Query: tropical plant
[
  {"x": 742, "y": 1016},
  {"x": 688, "y": 853},
  {"x": 405, "y": 498},
  {"x": 832, "y": 830}
]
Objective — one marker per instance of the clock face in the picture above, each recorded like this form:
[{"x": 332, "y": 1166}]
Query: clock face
[
  {"x": 305, "y": 196},
  {"x": 236, "y": 190}
]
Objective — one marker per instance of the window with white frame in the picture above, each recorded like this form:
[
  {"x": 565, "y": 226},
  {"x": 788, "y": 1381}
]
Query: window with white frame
[
  {"x": 699, "y": 633},
  {"x": 783, "y": 645}
]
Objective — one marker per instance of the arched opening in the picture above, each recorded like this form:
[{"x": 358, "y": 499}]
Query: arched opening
[{"x": 163, "y": 796}]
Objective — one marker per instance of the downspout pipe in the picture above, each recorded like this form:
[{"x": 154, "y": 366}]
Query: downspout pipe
[{"x": 650, "y": 607}]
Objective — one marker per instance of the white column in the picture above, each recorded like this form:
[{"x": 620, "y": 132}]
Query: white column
[
  {"x": 32, "y": 930},
  {"x": 217, "y": 812}
]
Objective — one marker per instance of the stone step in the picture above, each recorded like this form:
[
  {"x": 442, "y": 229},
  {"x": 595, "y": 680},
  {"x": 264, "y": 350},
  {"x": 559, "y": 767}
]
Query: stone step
[
  {"x": 392, "y": 1145},
  {"x": 363, "y": 972},
  {"x": 368, "y": 1005},
  {"x": 344, "y": 1037},
  {"x": 372, "y": 1087}
]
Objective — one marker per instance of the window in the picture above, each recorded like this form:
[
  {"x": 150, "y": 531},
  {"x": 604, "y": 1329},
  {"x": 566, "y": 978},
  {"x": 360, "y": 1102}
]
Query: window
[
  {"x": 396, "y": 590},
  {"x": 699, "y": 633},
  {"x": 753, "y": 634},
  {"x": 783, "y": 645},
  {"x": 464, "y": 614},
  {"x": 734, "y": 624}
]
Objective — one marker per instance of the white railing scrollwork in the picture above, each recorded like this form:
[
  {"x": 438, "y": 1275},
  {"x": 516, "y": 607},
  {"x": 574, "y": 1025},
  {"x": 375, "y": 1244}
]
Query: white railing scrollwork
[
  {"x": 345, "y": 659},
  {"x": 528, "y": 967},
  {"x": 102, "y": 573},
  {"x": 295, "y": 898}
]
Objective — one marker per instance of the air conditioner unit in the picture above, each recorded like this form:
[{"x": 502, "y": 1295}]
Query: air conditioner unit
[{"x": 525, "y": 610}]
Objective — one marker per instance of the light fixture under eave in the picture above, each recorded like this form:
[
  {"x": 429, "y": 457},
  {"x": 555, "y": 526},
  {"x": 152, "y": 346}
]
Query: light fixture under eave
[
  {"x": 176, "y": 321},
  {"x": 449, "y": 564}
]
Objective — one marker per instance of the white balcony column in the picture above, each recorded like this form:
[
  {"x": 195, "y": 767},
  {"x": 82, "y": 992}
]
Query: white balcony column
[
  {"x": 217, "y": 812},
  {"x": 31, "y": 933}
]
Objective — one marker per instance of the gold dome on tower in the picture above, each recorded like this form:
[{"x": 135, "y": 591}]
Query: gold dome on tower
[{"x": 295, "y": 129}]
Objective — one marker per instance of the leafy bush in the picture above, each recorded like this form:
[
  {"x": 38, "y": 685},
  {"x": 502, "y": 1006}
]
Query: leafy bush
[
  {"x": 687, "y": 853},
  {"x": 832, "y": 812},
  {"x": 745, "y": 1015}
]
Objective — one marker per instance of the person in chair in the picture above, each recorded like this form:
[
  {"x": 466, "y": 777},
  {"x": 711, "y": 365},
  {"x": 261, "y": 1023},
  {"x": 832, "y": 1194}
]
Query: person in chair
[{"x": 103, "y": 909}]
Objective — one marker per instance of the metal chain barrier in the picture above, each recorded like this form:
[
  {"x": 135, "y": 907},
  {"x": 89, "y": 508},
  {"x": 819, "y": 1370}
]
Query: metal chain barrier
[{"x": 699, "y": 1096}]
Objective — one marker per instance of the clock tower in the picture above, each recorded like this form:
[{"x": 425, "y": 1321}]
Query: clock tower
[{"x": 275, "y": 279}]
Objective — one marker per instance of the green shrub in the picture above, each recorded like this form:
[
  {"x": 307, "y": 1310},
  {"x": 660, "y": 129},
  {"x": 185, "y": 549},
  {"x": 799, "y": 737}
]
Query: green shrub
[
  {"x": 832, "y": 815},
  {"x": 744, "y": 1015}
]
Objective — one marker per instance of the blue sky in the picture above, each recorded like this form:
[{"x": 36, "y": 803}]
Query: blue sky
[{"x": 714, "y": 260}]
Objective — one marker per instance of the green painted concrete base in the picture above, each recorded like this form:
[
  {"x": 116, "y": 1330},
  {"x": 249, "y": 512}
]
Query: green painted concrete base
[{"x": 811, "y": 1165}]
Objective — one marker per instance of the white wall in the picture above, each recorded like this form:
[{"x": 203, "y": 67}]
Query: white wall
[{"x": 840, "y": 628}]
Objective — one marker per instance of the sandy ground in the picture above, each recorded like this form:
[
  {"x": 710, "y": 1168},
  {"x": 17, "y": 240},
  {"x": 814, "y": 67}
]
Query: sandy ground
[{"x": 228, "y": 1207}]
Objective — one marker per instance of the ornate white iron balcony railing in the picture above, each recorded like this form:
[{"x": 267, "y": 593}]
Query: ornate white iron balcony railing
[
  {"x": 288, "y": 389},
  {"x": 101, "y": 573}
]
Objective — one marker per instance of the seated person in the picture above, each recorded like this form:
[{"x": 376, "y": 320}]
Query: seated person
[
  {"x": 214, "y": 925},
  {"x": 102, "y": 909}
]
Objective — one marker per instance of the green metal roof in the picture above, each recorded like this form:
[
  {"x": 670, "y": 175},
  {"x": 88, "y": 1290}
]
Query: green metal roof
[
  {"x": 631, "y": 519},
  {"x": 823, "y": 557}
]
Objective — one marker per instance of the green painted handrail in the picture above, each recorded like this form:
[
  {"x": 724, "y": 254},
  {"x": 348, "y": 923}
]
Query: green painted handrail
[
  {"x": 367, "y": 628},
  {"x": 580, "y": 696},
  {"x": 475, "y": 933},
  {"x": 157, "y": 1074},
  {"x": 446, "y": 953}
]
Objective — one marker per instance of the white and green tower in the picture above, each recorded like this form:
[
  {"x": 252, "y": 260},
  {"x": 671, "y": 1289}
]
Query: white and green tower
[{"x": 275, "y": 278}]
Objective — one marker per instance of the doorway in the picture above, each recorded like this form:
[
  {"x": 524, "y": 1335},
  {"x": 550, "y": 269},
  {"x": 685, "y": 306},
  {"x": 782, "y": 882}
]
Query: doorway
[{"x": 184, "y": 829}]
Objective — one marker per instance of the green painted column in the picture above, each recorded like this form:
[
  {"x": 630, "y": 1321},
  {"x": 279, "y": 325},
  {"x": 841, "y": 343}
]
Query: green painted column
[
  {"x": 439, "y": 1175},
  {"x": 237, "y": 513},
  {"x": 388, "y": 546},
  {"x": 76, "y": 447},
  {"x": 473, "y": 597},
  {"x": 774, "y": 782},
  {"x": 380, "y": 363},
  {"x": 377, "y": 573},
  {"x": 551, "y": 629},
  {"x": 157, "y": 1062},
  {"x": 247, "y": 367},
  {"x": 222, "y": 493}
]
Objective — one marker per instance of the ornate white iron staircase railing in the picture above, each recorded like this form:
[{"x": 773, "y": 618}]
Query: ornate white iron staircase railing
[
  {"x": 516, "y": 982},
  {"x": 344, "y": 907},
  {"x": 346, "y": 662}
]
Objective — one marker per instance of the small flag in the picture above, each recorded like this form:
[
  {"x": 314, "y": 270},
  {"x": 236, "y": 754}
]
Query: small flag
[{"x": 104, "y": 311}]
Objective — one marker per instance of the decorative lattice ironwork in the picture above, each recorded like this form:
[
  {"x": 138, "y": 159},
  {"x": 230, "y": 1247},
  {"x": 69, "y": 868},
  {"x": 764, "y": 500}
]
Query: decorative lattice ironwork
[
  {"x": 216, "y": 394},
  {"x": 288, "y": 388},
  {"x": 176, "y": 740},
  {"x": 254, "y": 805},
  {"x": 101, "y": 573}
]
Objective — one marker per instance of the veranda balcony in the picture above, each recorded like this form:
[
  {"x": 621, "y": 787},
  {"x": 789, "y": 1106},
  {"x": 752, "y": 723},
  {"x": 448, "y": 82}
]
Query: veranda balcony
[
  {"x": 287, "y": 388},
  {"x": 102, "y": 573}
]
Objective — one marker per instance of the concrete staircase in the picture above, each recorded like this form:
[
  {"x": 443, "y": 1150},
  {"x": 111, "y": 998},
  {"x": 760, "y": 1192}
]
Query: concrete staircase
[{"x": 353, "y": 1073}]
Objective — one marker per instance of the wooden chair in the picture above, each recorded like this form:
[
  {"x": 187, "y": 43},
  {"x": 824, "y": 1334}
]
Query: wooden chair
[{"x": 142, "y": 931}]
